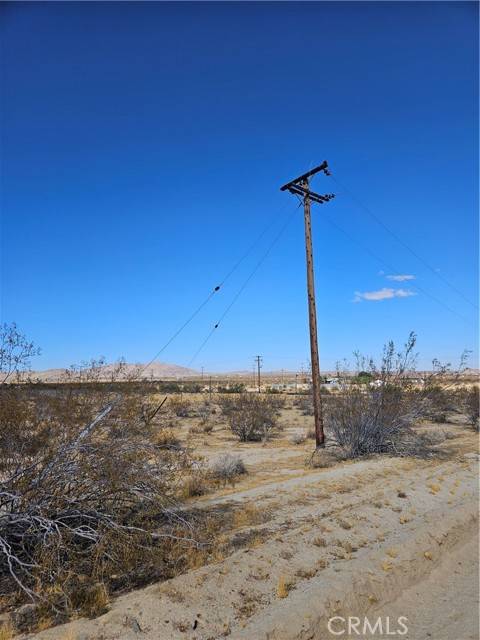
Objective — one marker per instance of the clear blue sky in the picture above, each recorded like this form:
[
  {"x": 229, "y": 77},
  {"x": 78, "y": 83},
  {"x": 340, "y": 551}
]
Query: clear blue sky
[{"x": 143, "y": 147}]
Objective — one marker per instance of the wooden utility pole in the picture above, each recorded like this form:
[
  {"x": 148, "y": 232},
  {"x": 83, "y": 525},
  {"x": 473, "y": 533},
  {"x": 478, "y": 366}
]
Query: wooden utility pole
[
  {"x": 300, "y": 187},
  {"x": 312, "y": 320},
  {"x": 258, "y": 360}
]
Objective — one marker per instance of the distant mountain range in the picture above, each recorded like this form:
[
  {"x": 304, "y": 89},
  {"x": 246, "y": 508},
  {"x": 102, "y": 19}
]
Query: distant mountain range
[
  {"x": 154, "y": 371},
  {"x": 164, "y": 370}
]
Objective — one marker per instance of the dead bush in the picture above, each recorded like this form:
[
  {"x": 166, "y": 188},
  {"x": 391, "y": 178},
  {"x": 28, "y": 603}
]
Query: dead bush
[
  {"x": 226, "y": 468},
  {"x": 250, "y": 416},
  {"x": 166, "y": 438},
  {"x": 84, "y": 502},
  {"x": 195, "y": 485},
  {"x": 86, "y": 492},
  {"x": 249, "y": 515}
]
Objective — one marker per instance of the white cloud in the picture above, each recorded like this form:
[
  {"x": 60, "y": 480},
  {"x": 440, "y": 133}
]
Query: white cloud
[
  {"x": 400, "y": 278},
  {"x": 383, "y": 294}
]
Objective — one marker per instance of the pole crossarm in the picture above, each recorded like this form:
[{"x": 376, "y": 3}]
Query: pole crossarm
[
  {"x": 314, "y": 197},
  {"x": 305, "y": 176},
  {"x": 300, "y": 187}
]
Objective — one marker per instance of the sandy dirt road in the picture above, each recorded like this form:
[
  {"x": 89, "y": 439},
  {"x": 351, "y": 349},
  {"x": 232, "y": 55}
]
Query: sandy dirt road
[
  {"x": 380, "y": 537},
  {"x": 443, "y": 606}
]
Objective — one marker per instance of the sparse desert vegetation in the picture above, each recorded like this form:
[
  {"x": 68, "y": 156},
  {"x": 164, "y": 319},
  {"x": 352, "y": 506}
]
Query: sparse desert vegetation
[{"x": 107, "y": 487}]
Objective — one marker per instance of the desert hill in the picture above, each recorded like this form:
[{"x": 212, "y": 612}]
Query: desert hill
[{"x": 154, "y": 371}]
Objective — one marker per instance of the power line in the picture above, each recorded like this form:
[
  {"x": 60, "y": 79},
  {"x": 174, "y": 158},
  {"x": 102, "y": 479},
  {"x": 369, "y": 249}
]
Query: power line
[
  {"x": 393, "y": 269},
  {"x": 244, "y": 285},
  {"x": 403, "y": 243},
  {"x": 110, "y": 406},
  {"x": 253, "y": 245},
  {"x": 215, "y": 290},
  {"x": 183, "y": 326}
]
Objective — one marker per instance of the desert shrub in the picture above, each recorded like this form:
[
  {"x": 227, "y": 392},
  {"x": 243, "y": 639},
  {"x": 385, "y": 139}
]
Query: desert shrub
[
  {"x": 456, "y": 399},
  {"x": 363, "y": 377},
  {"x": 203, "y": 412},
  {"x": 181, "y": 407},
  {"x": 82, "y": 499},
  {"x": 440, "y": 403},
  {"x": 227, "y": 467},
  {"x": 169, "y": 387},
  {"x": 194, "y": 485},
  {"x": 192, "y": 387},
  {"x": 166, "y": 438},
  {"x": 304, "y": 404},
  {"x": 324, "y": 459},
  {"x": 298, "y": 438},
  {"x": 250, "y": 416},
  {"x": 365, "y": 419},
  {"x": 434, "y": 437},
  {"x": 372, "y": 421},
  {"x": 194, "y": 430},
  {"x": 472, "y": 407},
  {"x": 284, "y": 586},
  {"x": 278, "y": 402},
  {"x": 237, "y": 387},
  {"x": 15, "y": 352},
  {"x": 86, "y": 492}
]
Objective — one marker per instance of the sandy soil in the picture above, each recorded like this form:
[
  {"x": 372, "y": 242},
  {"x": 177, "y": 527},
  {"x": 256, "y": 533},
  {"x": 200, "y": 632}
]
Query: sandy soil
[
  {"x": 443, "y": 605},
  {"x": 380, "y": 537}
]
